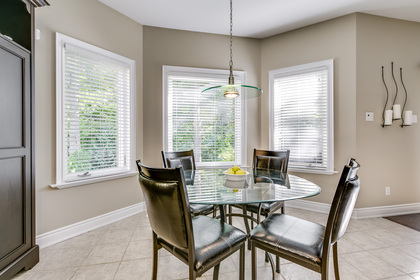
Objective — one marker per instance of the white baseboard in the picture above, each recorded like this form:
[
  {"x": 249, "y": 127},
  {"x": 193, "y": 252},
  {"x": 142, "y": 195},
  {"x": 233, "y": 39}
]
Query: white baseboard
[
  {"x": 359, "y": 213},
  {"x": 61, "y": 234},
  {"x": 64, "y": 233},
  {"x": 386, "y": 211},
  {"x": 309, "y": 205}
]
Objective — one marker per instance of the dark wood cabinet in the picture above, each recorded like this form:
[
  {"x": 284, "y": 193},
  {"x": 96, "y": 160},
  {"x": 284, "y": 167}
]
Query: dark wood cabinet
[{"x": 17, "y": 191}]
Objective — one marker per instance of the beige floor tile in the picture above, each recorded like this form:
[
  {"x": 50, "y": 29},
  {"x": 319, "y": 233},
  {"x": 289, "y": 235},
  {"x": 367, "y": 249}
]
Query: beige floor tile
[
  {"x": 116, "y": 236},
  {"x": 412, "y": 249},
  {"x": 398, "y": 259},
  {"x": 62, "y": 274},
  {"x": 65, "y": 258},
  {"x": 364, "y": 240},
  {"x": 404, "y": 277},
  {"x": 139, "y": 250},
  {"x": 407, "y": 233},
  {"x": 24, "y": 275},
  {"x": 295, "y": 272},
  {"x": 142, "y": 233},
  {"x": 106, "y": 253},
  {"x": 415, "y": 276},
  {"x": 97, "y": 272},
  {"x": 361, "y": 225},
  {"x": 345, "y": 247},
  {"x": 389, "y": 237},
  {"x": 371, "y": 266},
  {"x": 89, "y": 239},
  {"x": 134, "y": 270}
]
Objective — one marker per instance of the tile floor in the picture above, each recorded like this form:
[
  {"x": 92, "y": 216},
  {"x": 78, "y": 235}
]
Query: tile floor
[{"x": 371, "y": 249}]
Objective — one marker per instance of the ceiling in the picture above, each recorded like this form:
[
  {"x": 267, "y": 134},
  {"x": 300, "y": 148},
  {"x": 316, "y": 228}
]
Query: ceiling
[{"x": 255, "y": 18}]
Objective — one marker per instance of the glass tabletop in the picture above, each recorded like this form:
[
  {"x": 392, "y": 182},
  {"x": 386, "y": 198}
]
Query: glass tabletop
[{"x": 212, "y": 186}]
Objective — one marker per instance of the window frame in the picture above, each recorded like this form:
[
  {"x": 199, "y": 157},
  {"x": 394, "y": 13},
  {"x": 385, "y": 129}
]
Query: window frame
[
  {"x": 298, "y": 69},
  {"x": 203, "y": 72},
  {"x": 61, "y": 181}
]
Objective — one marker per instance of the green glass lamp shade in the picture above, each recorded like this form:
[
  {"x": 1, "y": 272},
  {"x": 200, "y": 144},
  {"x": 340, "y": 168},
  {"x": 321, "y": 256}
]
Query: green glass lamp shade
[{"x": 233, "y": 91}]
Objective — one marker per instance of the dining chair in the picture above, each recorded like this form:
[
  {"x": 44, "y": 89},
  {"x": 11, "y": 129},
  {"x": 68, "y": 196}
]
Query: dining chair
[
  {"x": 187, "y": 161},
  {"x": 201, "y": 242},
  {"x": 268, "y": 160},
  {"x": 307, "y": 243}
]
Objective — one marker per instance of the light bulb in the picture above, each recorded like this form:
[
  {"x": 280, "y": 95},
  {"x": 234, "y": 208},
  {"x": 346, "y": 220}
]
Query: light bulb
[{"x": 231, "y": 93}]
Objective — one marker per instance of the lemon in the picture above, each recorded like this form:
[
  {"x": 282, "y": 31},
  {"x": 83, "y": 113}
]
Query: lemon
[
  {"x": 235, "y": 168},
  {"x": 230, "y": 172},
  {"x": 240, "y": 172}
]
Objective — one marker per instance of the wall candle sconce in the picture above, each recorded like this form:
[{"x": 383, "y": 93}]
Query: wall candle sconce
[
  {"x": 389, "y": 116},
  {"x": 407, "y": 118},
  {"x": 396, "y": 108}
]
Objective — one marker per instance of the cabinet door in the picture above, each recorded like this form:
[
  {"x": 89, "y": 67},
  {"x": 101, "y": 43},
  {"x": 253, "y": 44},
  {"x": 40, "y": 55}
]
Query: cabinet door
[{"x": 15, "y": 152}]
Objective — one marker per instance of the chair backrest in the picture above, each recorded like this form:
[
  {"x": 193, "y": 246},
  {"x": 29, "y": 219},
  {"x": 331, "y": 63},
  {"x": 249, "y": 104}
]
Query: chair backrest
[
  {"x": 167, "y": 204},
  {"x": 344, "y": 200},
  {"x": 271, "y": 160},
  {"x": 184, "y": 158}
]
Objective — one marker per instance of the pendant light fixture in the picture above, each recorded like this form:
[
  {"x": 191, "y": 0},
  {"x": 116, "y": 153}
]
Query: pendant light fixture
[{"x": 232, "y": 90}]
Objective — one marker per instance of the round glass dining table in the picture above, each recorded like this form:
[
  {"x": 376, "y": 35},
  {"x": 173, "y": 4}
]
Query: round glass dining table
[{"x": 212, "y": 186}]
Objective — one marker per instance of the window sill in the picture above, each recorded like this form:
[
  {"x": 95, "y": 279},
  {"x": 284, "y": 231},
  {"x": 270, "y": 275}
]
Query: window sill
[
  {"x": 312, "y": 171},
  {"x": 93, "y": 180}
]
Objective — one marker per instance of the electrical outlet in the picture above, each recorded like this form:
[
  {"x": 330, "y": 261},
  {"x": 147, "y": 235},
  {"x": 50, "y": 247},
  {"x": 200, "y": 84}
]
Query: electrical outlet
[
  {"x": 387, "y": 190},
  {"x": 369, "y": 116}
]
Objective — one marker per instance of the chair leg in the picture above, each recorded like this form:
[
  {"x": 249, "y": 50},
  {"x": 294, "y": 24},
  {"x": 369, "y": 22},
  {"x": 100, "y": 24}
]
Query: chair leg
[
  {"x": 254, "y": 261},
  {"x": 230, "y": 216},
  {"x": 335, "y": 257},
  {"x": 155, "y": 256},
  {"x": 242, "y": 262},
  {"x": 244, "y": 212},
  {"x": 216, "y": 271},
  {"x": 193, "y": 275},
  {"x": 277, "y": 264}
]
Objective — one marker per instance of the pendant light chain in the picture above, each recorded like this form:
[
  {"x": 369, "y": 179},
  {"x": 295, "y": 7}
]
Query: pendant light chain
[
  {"x": 231, "y": 81},
  {"x": 231, "y": 90}
]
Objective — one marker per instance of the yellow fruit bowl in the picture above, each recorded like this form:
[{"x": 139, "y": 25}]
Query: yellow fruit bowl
[{"x": 235, "y": 177}]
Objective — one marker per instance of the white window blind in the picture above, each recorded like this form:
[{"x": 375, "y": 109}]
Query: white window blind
[
  {"x": 302, "y": 115},
  {"x": 212, "y": 127},
  {"x": 95, "y": 112}
]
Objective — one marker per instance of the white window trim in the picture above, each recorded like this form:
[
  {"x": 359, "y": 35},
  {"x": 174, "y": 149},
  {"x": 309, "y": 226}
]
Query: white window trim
[
  {"x": 224, "y": 74},
  {"x": 61, "y": 40},
  {"x": 329, "y": 63}
]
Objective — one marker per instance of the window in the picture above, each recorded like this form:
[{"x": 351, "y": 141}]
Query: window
[
  {"x": 213, "y": 127},
  {"x": 95, "y": 113},
  {"x": 301, "y": 115}
]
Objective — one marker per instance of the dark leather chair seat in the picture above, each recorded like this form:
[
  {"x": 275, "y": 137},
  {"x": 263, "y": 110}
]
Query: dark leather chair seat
[
  {"x": 289, "y": 235},
  {"x": 212, "y": 238},
  {"x": 201, "y": 209},
  {"x": 266, "y": 208}
]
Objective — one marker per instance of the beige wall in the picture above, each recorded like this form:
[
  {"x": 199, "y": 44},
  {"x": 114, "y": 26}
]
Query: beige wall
[
  {"x": 94, "y": 23},
  {"x": 389, "y": 156},
  {"x": 192, "y": 49},
  {"x": 334, "y": 39},
  {"x": 359, "y": 44}
]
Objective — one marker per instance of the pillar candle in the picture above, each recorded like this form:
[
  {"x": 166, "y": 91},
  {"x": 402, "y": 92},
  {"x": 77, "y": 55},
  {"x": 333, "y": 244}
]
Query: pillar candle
[
  {"x": 388, "y": 117},
  {"x": 408, "y": 117},
  {"x": 397, "y": 111}
]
